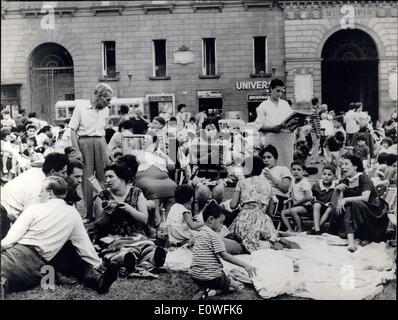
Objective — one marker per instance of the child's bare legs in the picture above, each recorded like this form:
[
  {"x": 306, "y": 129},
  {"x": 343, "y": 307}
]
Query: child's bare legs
[
  {"x": 325, "y": 216},
  {"x": 285, "y": 219},
  {"x": 317, "y": 215},
  {"x": 4, "y": 161},
  {"x": 13, "y": 165},
  {"x": 294, "y": 212}
]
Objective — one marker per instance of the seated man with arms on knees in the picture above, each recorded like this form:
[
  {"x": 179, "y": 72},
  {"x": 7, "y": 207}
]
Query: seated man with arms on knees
[
  {"x": 43, "y": 235},
  {"x": 24, "y": 190}
]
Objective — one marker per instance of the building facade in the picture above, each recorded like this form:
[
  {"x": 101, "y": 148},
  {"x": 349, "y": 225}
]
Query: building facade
[{"x": 211, "y": 55}]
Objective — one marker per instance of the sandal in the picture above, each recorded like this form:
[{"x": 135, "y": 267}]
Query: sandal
[{"x": 201, "y": 295}]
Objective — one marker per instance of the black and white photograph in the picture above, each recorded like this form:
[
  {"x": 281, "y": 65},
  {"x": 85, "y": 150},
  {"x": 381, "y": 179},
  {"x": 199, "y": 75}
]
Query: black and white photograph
[{"x": 224, "y": 151}]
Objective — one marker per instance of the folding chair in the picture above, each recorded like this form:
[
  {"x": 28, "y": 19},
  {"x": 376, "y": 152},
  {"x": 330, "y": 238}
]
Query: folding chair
[{"x": 132, "y": 142}]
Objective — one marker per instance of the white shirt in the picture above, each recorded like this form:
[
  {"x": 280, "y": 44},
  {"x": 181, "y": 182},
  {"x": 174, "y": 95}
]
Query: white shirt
[
  {"x": 147, "y": 159},
  {"x": 40, "y": 138},
  {"x": 178, "y": 229},
  {"x": 47, "y": 226},
  {"x": 351, "y": 122},
  {"x": 279, "y": 172},
  {"x": 299, "y": 189},
  {"x": 328, "y": 126},
  {"x": 270, "y": 114},
  {"x": 22, "y": 191},
  {"x": 8, "y": 123},
  {"x": 87, "y": 120}
]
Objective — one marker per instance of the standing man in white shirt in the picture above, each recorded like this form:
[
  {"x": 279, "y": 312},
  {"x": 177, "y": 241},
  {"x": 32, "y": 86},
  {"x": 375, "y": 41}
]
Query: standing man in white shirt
[
  {"x": 270, "y": 115},
  {"x": 351, "y": 122},
  {"x": 24, "y": 189},
  {"x": 88, "y": 123},
  {"x": 38, "y": 237}
]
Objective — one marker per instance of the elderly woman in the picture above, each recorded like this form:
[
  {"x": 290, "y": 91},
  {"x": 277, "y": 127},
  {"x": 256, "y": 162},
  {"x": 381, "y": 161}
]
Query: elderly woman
[
  {"x": 357, "y": 210},
  {"x": 279, "y": 177},
  {"x": 121, "y": 212},
  {"x": 253, "y": 227},
  {"x": 152, "y": 176}
]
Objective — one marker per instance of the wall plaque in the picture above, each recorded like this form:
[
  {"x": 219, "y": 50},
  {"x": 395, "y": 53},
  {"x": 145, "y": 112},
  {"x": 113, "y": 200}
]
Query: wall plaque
[{"x": 184, "y": 55}]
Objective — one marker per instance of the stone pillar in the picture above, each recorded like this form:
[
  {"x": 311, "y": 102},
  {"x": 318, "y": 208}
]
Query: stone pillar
[{"x": 387, "y": 72}]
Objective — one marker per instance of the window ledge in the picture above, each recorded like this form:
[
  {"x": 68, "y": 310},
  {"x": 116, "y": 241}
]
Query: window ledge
[
  {"x": 256, "y": 4},
  {"x": 109, "y": 78},
  {"x": 213, "y": 76},
  {"x": 204, "y": 5},
  {"x": 107, "y": 9},
  {"x": 159, "y": 78},
  {"x": 157, "y": 7},
  {"x": 260, "y": 75}
]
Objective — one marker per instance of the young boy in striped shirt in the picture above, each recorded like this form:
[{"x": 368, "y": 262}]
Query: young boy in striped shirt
[{"x": 207, "y": 269}]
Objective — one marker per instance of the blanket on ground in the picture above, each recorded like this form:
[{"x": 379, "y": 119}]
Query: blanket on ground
[{"x": 326, "y": 269}]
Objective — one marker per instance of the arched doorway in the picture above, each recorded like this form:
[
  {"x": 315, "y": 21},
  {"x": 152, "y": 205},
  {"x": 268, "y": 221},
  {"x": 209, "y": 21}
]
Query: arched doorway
[
  {"x": 51, "y": 79},
  {"x": 350, "y": 71}
]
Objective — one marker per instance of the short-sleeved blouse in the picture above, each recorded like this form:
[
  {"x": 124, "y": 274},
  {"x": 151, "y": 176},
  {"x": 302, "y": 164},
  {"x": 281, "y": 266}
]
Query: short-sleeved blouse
[
  {"x": 358, "y": 185},
  {"x": 255, "y": 189}
]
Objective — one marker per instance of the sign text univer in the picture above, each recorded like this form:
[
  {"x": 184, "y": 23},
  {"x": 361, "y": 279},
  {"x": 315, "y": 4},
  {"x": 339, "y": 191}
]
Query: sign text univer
[{"x": 251, "y": 85}]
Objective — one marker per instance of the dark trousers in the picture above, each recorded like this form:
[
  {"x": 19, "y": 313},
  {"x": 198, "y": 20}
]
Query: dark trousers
[
  {"x": 21, "y": 267},
  {"x": 68, "y": 262},
  {"x": 5, "y": 222}
]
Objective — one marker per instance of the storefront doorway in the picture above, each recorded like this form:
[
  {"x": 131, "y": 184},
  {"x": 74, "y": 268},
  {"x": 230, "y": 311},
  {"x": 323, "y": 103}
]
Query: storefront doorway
[
  {"x": 350, "y": 72},
  {"x": 210, "y": 101}
]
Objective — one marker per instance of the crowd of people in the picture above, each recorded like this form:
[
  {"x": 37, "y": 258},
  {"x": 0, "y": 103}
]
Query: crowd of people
[{"x": 95, "y": 202}]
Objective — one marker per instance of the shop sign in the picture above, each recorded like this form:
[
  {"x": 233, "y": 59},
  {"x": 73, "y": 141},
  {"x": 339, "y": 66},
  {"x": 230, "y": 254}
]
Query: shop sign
[
  {"x": 256, "y": 98},
  {"x": 209, "y": 94},
  {"x": 252, "y": 85},
  {"x": 159, "y": 98}
]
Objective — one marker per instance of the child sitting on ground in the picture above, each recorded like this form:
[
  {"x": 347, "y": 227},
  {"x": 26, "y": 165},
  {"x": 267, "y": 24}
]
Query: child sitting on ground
[
  {"x": 301, "y": 196},
  {"x": 322, "y": 192},
  {"x": 207, "y": 269},
  {"x": 362, "y": 150},
  {"x": 385, "y": 145},
  {"x": 334, "y": 150},
  {"x": 8, "y": 151},
  {"x": 181, "y": 227}
]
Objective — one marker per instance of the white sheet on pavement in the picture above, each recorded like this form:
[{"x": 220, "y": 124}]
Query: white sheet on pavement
[{"x": 327, "y": 270}]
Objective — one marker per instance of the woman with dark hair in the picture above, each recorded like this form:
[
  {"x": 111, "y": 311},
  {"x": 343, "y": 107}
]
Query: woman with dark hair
[
  {"x": 279, "y": 177},
  {"x": 121, "y": 213},
  {"x": 43, "y": 134},
  {"x": 357, "y": 210},
  {"x": 209, "y": 155},
  {"x": 253, "y": 227},
  {"x": 180, "y": 116}
]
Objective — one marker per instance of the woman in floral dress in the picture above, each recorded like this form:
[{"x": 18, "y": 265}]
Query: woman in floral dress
[{"x": 253, "y": 226}]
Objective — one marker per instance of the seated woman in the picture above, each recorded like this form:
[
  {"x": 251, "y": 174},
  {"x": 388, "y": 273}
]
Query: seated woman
[
  {"x": 158, "y": 125},
  {"x": 116, "y": 142},
  {"x": 253, "y": 227},
  {"x": 357, "y": 210},
  {"x": 279, "y": 177},
  {"x": 152, "y": 176},
  {"x": 121, "y": 211},
  {"x": 209, "y": 164}
]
